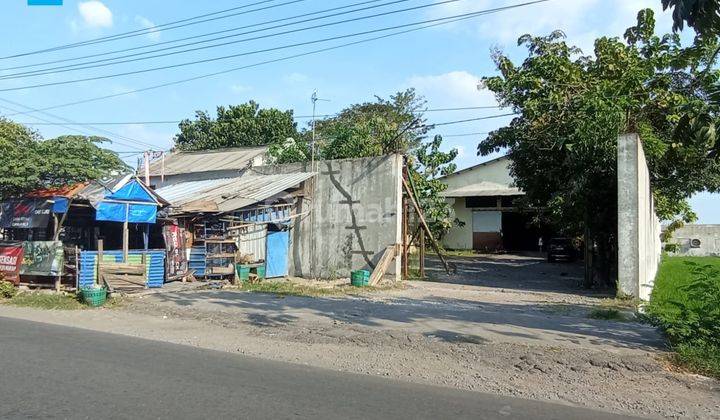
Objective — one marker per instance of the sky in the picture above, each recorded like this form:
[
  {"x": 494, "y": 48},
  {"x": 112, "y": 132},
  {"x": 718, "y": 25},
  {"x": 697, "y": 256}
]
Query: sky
[{"x": 443, "y": 63}]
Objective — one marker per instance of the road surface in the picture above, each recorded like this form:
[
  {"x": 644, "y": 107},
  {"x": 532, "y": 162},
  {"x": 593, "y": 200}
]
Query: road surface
[{"x": 61, "y": 372}]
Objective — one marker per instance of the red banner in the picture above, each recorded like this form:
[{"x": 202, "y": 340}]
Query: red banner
[{"x": 11, "y": 257}]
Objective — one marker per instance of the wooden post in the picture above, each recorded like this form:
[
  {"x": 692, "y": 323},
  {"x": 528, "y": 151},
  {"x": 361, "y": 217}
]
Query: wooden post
[
  {"x": 99, "y": 260},
  {"x": 425, "y": 226},
  {"x": 77, "y": 268},
  {"x": 126, "y": 234},
  {"x": 422, "y": 254}
]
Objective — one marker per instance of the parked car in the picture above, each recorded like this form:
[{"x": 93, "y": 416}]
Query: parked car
[{"x": 561, "y": 249}]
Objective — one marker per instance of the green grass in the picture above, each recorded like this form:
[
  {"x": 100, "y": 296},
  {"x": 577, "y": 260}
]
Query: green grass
[
  {"x": 673, "y": 274},
  {"x": 701, "y": 353},
  {"x": 288, "y": 288},
  {"x": 64, "y": 302}
]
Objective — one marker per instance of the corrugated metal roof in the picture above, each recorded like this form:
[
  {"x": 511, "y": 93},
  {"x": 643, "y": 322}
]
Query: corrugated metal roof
[
  {"x": 482, "y": 189},
  {"x": 228, "y": 194},
  {"x": 208, "y": 160}
]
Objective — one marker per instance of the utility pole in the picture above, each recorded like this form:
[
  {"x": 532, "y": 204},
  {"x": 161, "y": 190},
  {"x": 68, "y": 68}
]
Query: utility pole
[{"x": 314, "y": 99}]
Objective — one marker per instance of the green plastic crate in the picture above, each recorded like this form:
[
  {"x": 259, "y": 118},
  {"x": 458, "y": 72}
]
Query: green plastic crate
[
  {"x": 260, "y": 271},
  {"x": 94, "y": 297},
  {"x": 360, "y": 278},
  {"x": 243, "y": 272}
]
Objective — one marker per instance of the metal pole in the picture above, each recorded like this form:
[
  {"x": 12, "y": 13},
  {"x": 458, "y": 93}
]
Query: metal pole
[{"x": 314, "y": 99}]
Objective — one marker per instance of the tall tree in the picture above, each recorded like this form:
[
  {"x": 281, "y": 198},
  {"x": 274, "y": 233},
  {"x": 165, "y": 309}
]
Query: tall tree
[
  {"x": 18, "y": 160},
  {"x": 385, "y": 126},
  {"x": 701, "y": 15},
  {"x": 571, "y": 109},
  {"x": 236, "y": 126},
  {"x": 374, "y": 128},
  {"x": 29, "y": 163}
]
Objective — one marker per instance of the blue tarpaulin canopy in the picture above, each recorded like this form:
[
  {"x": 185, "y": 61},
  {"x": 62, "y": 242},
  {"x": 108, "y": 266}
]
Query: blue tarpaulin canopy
[{"x": 133, "y": 203}]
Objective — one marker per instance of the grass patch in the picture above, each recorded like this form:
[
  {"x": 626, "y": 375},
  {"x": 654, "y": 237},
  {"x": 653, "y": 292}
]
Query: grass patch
[
  {"x": 46, "y": 301},
  {"x": 685, "y": 303},
  {"x": 288, "y": 288},
  {"x": 64, "y": 302},
  {"x": 608, "y": 314}
]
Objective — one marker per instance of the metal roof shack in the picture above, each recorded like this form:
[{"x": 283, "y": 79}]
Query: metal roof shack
[
  {"x": 228, "y": 194},
  {"x": 229, "y": 159}
]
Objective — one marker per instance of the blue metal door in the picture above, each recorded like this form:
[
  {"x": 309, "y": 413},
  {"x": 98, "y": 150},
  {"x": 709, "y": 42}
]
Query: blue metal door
[{"x": 276, "y": 263}]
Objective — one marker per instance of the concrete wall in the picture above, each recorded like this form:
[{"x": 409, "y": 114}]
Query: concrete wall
[
  {"x": 355, "y": 213},
  {"x": 709, "y": 236},
  {"x": 459, "y": 237},
  {"x": 638, "y": 225}
]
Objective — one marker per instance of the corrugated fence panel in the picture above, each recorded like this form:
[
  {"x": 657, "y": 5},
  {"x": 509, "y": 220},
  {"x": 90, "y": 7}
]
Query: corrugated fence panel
[
  {"x": 155, "y": 265},
  {"x": 251, "y": 240},
  {"x": 197, "y": 260}
]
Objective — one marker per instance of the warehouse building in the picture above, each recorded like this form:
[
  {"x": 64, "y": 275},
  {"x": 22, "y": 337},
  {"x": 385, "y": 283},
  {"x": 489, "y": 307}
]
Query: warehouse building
[{"x": 483, "y": 201}]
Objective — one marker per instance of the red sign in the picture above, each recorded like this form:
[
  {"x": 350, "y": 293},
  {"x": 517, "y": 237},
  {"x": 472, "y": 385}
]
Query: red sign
[{"x": 11, "y": 257}]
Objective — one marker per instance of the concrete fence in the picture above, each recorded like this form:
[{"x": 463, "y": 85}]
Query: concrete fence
[{"x": 639, "y": 246}]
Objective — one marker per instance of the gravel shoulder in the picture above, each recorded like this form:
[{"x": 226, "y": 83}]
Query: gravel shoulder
[{"x": 537, "y": 345}]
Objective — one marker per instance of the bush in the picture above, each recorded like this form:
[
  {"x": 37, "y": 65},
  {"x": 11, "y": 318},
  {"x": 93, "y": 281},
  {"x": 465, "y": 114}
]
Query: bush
[{"x": 7, "y": 289}]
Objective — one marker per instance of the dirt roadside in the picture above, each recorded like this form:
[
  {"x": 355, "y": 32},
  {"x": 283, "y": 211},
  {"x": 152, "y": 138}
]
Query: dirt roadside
[{"x": 536, "y": 346}]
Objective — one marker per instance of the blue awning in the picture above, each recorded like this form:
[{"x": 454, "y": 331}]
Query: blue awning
[{"x": 122, "y": 212}]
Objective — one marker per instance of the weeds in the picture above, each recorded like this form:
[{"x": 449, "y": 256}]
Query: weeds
[{"x": 288, "y": 288}]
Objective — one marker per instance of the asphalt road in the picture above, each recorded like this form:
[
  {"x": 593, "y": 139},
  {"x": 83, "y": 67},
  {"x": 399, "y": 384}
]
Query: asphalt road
[{"x": 50, "y": 371}]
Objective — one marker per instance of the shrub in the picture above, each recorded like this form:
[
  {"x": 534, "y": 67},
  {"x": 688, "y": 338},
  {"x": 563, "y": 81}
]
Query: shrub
[{"x": 7, "y": 289}]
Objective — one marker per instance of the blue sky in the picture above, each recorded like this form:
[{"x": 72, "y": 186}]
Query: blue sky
[{"x": 443, "y": 63}]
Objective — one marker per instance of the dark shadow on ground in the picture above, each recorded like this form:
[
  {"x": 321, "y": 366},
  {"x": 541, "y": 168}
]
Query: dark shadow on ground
[
  {"x": 460, "y": 318},
  {"x": 513, "y": 272}
]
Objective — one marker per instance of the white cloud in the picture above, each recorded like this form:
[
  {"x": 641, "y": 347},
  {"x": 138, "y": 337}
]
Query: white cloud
[
  {"x": 579, "y": 19},
  {"x": 453, "y": 89},
  {"x": 237, "y": 88},
  {"x": 95, "y": 14},
  {"x": 154, "y": 33},
  {"x": 296, "y": 78}
]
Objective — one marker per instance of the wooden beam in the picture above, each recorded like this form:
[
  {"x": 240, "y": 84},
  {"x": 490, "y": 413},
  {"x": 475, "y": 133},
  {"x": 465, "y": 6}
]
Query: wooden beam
[
  {"x": 425, "y": 225},
  {"x": 382, "y": 265}
]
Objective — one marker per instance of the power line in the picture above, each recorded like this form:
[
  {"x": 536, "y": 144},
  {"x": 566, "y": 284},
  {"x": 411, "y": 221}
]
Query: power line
[
  {"x": 276, "y": 60},
  {"x": 444, "y": 20},
  {"x": 71, "y": 122},
  {"x": 119, "y": 60},
  {"x": 482, "y": 133},
  {"x": 296, "y": 117},
  {"x": 470, "y": 120},
  {"x": 145, "y": 31},
  {"x": 212, "y": 33},
  {"x": 68, "y": 126}
]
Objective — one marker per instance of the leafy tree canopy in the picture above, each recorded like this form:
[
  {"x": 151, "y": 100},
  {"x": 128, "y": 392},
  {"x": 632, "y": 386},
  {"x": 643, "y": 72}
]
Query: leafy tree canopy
[
  {"x": 242, "y": 125},
  {"x": 28, "y": 162},
  {"x": 701, "y": 15},
  {"x": 571, "y": 109},
  {"x": 385, "y": 126}
]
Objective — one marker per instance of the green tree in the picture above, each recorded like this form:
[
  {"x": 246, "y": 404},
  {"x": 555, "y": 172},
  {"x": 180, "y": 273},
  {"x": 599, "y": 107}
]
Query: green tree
[
  {"x": 71, "y": 159},
  {"x": 18, "y": 160},
  {"x": 571, "y": 109},
  {"x": 373, "y": 128},
  {"x": 701, "y": 15},
  {"x": 385, "y": 126},
  {"x": 427, "y": 164},
  {"x": 28, "y": 162},
  {"x": 242, "y": 125}
]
